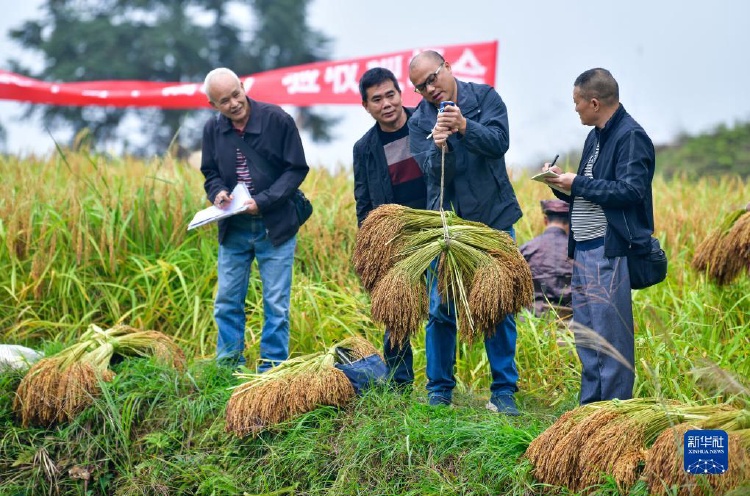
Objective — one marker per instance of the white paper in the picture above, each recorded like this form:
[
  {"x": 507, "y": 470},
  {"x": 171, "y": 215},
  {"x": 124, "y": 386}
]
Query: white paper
[
  {"x": 544, "y": 175},
  {"x": 240, "y": 195}
]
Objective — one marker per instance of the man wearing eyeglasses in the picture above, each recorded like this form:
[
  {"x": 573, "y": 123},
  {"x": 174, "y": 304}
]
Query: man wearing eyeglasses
[
  {"x": 474, "y": 132},
  {"x": 385, "y": 172}
]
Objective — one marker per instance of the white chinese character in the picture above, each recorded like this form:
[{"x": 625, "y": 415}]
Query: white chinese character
[
  {"x": 302, "y": 82},
  {"x": 343, "y": 78},
  {"x": 394, "y": 64},
  {"x": 183, "y": 89},
  {"x": 468, "y": 67},
  {"x": 95, "y": 93},
  {"x": 248, "y": 83}
]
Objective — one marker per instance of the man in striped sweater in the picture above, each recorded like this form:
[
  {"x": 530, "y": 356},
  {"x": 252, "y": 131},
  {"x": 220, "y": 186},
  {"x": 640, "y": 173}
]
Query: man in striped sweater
[{"x": 611, "y": 216}]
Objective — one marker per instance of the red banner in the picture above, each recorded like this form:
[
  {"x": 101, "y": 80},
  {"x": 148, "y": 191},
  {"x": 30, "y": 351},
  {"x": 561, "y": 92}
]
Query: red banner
[{"x": 320, "y": 83}]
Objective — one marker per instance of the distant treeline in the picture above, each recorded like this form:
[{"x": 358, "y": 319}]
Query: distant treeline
[{"x": 723, "y": 151}]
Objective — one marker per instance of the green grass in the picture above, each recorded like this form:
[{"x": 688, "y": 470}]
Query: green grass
[
  {"x": 156, "y": 431},
  {"x": 107, "y": 243}
]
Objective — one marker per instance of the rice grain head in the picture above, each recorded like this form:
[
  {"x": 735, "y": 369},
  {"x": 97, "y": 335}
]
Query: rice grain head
[
  {"x": 375, "y": 248},
  {"x": 725, "y": 252},
  {"x": 293, "y": 388},
  {"x": 562, "y": 468},
  {"x": 552, "y": 470},
  {"x": 400, "y": 304},
  {"x": 358, "y": 348},
  {"x": 35, "y": 397},
  {"x": 619, "y": 448}
]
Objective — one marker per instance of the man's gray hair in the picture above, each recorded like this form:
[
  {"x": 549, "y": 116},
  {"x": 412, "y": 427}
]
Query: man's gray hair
[{"x": 220, "y": 71}]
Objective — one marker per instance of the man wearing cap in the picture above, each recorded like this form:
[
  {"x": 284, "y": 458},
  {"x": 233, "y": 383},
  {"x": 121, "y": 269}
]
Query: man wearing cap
[{"x": 547, "y": 255}]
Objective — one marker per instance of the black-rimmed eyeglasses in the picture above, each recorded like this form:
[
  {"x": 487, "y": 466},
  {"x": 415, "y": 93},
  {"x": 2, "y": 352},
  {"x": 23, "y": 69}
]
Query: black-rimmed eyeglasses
[{"x": 419, "y": 88}]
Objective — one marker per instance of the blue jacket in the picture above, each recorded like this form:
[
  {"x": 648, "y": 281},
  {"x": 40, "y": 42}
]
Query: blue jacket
[
  {"x": 476, "y": 180},
  {"x": 271, "y": 132},
  {"x": 372, "y": 183},
  {"x": 621, "y": 185}
]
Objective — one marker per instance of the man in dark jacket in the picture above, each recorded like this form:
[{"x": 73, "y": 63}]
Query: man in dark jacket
[
  {"x": 267, "y": 231},
  {"x": 611, "y": 215},
  {"x": 477, "y": 187},
  {"x": 385, "y": 172},
  {"x": 547, "y": 255}
]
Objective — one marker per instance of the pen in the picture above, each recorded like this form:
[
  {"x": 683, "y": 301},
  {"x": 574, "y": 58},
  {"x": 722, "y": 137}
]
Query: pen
[{"x": 553, "y": 161}]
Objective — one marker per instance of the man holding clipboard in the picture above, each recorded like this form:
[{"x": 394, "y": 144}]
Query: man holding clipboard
[
  {"x": 611, "y": 211},
  {"x": 259, "y": 145}
]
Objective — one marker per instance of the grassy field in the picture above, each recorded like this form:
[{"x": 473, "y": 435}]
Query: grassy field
[{"x": 88, "y": 239}]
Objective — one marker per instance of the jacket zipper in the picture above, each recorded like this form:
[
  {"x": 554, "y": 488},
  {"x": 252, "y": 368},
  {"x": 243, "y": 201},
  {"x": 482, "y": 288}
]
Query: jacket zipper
[{"x": 630, "y": 235}]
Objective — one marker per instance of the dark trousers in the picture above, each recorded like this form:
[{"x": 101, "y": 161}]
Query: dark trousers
[
  {"x": 602, "y": 304},
  {"x": 400, "y": 361}
]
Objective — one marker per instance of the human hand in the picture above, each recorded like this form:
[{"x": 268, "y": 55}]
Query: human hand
[
  {"x": 252, "y": 207},
  {"x": 551, "y": 167},
  {"x": 223, "y": 199},
  {"x": 440, "y": 135},
  {"x": 452, "y": 119},
  {"x": 564, "y": 180}
]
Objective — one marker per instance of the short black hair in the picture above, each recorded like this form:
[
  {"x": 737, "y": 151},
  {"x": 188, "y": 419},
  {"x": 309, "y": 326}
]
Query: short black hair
[
  {"x": 374, "y": 77},
  {"x": 600, "y": 84}
]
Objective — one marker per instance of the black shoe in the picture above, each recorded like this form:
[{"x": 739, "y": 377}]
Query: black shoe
[
  {"x": 439, "y": 400},
  {"x": 503, "y": 403}
]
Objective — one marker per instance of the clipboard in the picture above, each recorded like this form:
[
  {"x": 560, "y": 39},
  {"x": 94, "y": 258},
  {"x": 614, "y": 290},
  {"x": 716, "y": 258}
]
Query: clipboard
[
  {"x": 544, "y": 175},
  {"x": 240, "y": 195}
]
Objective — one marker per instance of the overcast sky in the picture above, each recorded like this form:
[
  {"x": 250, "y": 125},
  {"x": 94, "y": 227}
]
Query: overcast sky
[{"x": 682, "y": 66}]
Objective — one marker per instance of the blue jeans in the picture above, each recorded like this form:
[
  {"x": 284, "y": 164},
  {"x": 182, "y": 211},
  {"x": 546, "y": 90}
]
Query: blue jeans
[
  {"x": 440, "y": 346},
  {"x": 400, "y": 361},
  {"x": 245, "y": 240},
  {"x": 602, "y": 303}
]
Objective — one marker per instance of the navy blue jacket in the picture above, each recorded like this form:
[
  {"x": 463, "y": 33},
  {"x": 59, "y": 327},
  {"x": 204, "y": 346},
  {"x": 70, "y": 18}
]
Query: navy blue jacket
[
  {"x": 621, "y": 185},
  {"x": 372, "y": 182},
  {"x": 272, "y": 133},
  {"x": 476, "y": 180}
]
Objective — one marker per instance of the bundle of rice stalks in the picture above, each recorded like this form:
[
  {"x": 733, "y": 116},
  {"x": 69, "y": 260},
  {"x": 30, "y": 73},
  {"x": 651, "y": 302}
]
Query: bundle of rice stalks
[
  {"x": 609, "y": 437},
  {"x": 725, "y": 252},
  {"x": 480, "y": 270},
  {"x": 292, "y": 388},
  {"x": 665, "y": 473},
  {"x": 58, "y": 388},
  {"x": 619, "y": 449},
  {"x": 538, "y": 452}
]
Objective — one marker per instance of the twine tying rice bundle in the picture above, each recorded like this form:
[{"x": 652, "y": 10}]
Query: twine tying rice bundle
[
  {"x": 480, "y": 270},
  {"x": 58, "y": 388},
  {"x": 294, "y": 387},
  {"x": 613, "y": 438},
  {"x": 725, "y": 252}
]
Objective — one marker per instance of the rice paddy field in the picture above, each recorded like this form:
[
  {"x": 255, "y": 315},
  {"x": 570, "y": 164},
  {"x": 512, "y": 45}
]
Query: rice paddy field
[{"x": 88, "y": 239}]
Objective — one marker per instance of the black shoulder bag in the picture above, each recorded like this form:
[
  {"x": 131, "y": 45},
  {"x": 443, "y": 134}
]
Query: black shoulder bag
[
  {"x": 301, "y": 204},
  {"x": 647, "y": 269}
]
